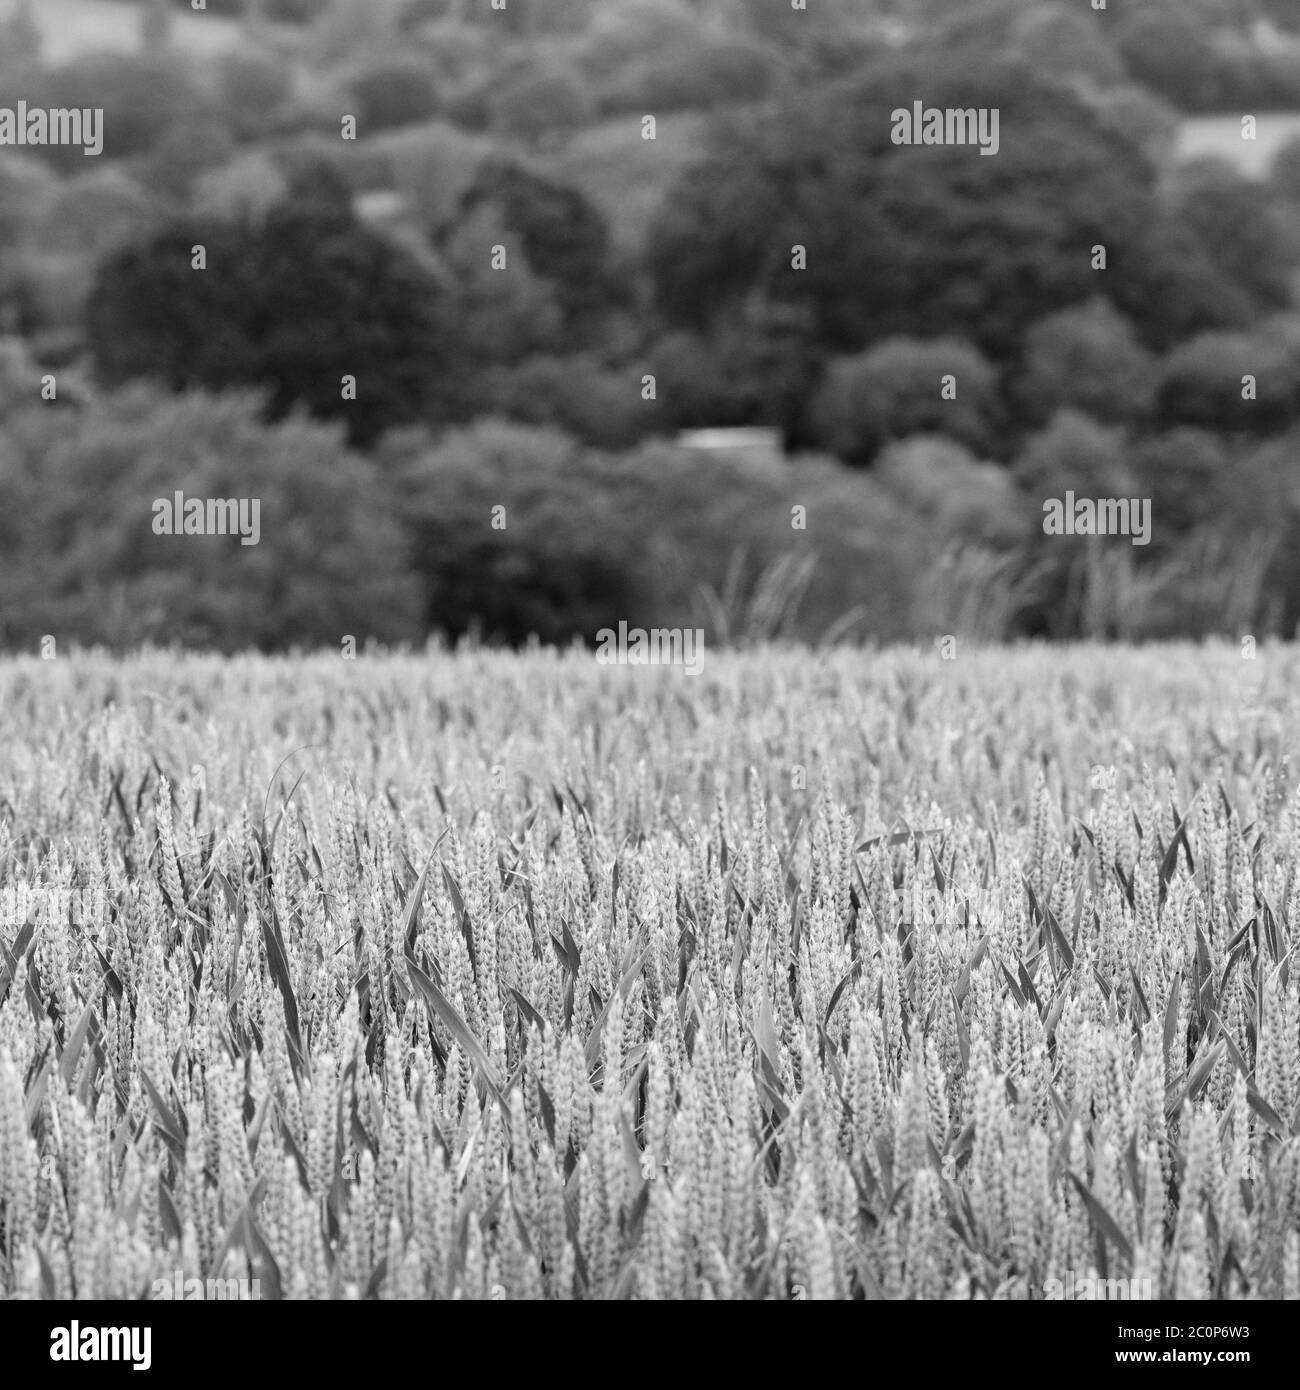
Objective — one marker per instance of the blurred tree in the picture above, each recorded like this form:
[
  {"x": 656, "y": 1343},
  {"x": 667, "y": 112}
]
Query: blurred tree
[
  {"x": 143, "y": 98},
  {"x": 50, "y": 296},
  {"x": 1066, "y": 44},
  {"x": 86, "y": 563},
  {"x": 707, "y": 74},
  {"x": 926, "y": 240},
  {"x": 1286, "y": 172},
  {"x": 893, "y": 390},
  {"x": 624, "y": 31},
  {"x": 576, "y": 553},
  {"x": 253, "y": 89},
  {"x": 752, "y": 367},
  {"x": 1087, "y": 357},
  {"x": 1137, "y": 116},
  {"x": 1282, "y": 13},
  {"x": 782, "y": 26},
  {"x": 1075, "y": 453},
  {"x": 1187, "y": 474},
  {"x": 494, "y": 316},
  {"x": 1167, "y": 50},
  {"x": 563, "y": 237},
  {"x": 953, "y": 492},
  {"x": 244, "y": 190},
  {"x": 988, "y": 25},
  {"x": 554, "y": 569},
  {"x": 460, "y": 55},
  {"x": 1179, "y": 291},
  {"x": 393, "y": 92},
  {"x": 20, "y": 377},
  {"x": 1267, "y": 506},
  {"x": 1203, "y": 381},
  {"x": 344, "y": 29},
  {"x": 194, "y": 144},
  {"x": 295, "y": 304},
  {"x": 599, "y": 405},
  {"x": 1247, "y": 236},
  {"x": 97, "y": 212},
  {"x": 28, "y": 190},
  {"x": 533, "y": 101}
]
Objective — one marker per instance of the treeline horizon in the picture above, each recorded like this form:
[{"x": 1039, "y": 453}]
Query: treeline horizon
[{"x": 452, "y": 355}]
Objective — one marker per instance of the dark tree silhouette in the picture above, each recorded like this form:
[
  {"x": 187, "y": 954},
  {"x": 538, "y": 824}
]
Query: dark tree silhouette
[
  {"x": 932, "y": 240},
  {"x": 294, "y": 305}
]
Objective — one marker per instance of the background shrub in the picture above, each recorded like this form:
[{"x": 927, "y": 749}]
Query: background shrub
[{"x": 79, "y": 555}]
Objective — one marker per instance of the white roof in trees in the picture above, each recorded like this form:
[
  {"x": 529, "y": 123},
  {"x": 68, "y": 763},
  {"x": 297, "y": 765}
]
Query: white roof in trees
[{"x": 753, "y": 438}]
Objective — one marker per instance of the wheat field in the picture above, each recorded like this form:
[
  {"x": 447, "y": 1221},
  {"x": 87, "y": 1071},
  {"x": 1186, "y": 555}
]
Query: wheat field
[{"x": 488, "y": 975}]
